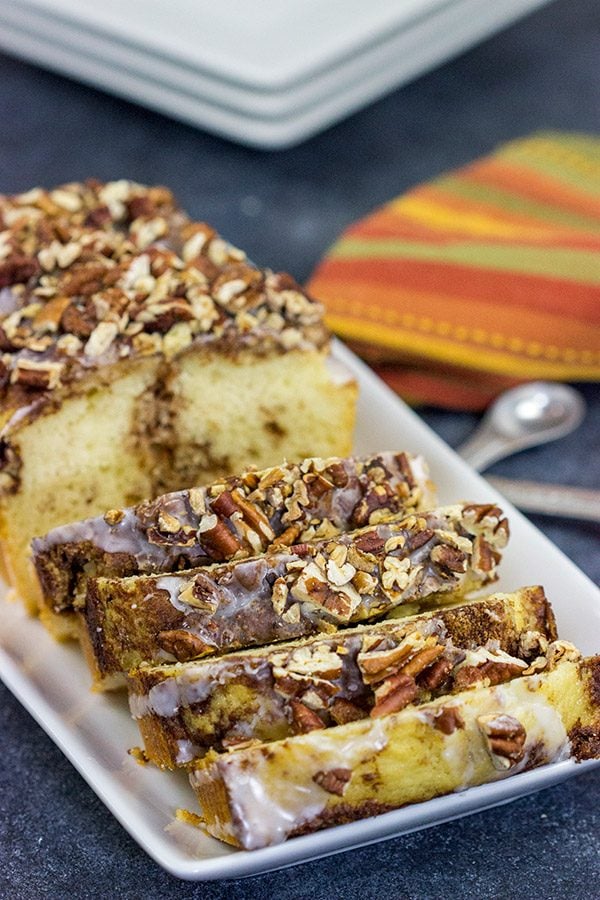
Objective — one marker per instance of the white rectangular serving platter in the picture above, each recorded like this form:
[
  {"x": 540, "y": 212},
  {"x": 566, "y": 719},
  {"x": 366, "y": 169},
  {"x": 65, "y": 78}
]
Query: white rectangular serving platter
[
  {"x": 272, "y": 115},
  {"x": 95, "y": 731}
]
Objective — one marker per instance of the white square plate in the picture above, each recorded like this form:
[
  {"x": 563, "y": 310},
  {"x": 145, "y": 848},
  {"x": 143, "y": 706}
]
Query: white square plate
[
  {"x": 95, "y": 731},
  {"x": 382, "y": 47}
]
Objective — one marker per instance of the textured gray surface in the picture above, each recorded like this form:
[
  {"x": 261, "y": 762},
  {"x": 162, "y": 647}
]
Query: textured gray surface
[{"x": 56, "y": 838}]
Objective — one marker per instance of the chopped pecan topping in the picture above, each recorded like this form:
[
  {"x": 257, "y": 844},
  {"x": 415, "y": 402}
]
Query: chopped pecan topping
[
  {"x": 79, "y": 320},
  {"x": 317, "y": 485},
  {"x": 183, "y": 645},
  {"x": 480, "y": 511},
  {"x": 316, "y": 661},
  {"x": 334, "y": 781},
  {"x": 405, "y": 467},
  {"x": 164, "y": 528},
  {"x": 378, "y": 499},
  {"x": 449, "y": 558},
  {"x": 364, "y": 583},
  {"x": 302, "y": 549},
  {"x": 312, "y": 587},
  {"x": 343, "y": 711},
  {"x": 400, "y": 691},
  {"x": 219, "y": 542},
  {"x": 253, "y": 516},
  {"x": 201, "y": 594},
  {"x": 124, "y": 259},
  {"x": 370, "y": 542},
  {"x": 35, "y": 375},
  {"x": 292, "y": 615},
  {"x": 505, "y": 738},
  {"x": 340, "y": 574},
  {"x": 490, "y": 670},
  {"x": 303, "y": 718},
  {"x": 419, "y": 539},
  {"x": 337, "y": 474},
  {"x": 448, "y": 719},
  {"x": 395, "y": 575},
  {"x": 422, "y": 660},
  {"x": 289, "y": 535},
  {"x": 376, "y": 665},
  {"x": 436, "y": 674},
  {"x": 17, "y": 270},
  {"x": 279, "y": 595},
  {"x": 484, "y": 557},
  {"x": 224, "y": 505}
]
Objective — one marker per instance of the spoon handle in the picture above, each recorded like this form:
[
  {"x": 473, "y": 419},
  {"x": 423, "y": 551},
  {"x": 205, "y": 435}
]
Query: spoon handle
[
  {"x": 550, "y": 499},
  {"x": 483, "y": 448}
]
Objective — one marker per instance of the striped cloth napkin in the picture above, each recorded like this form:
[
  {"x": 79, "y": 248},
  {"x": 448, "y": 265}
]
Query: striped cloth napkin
[{"x": 478, "y": 280}]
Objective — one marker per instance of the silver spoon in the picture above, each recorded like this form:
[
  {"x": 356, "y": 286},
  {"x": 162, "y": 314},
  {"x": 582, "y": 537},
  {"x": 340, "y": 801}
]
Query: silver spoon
[{"x": 527, "y": 416}]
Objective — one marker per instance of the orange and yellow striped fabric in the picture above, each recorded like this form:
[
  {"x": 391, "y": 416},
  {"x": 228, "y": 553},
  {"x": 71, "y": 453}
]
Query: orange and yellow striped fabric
[{"x": 481, "y": 279}]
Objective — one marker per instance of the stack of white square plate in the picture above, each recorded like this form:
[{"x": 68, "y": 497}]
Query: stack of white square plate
[{"x": 267, "y": 73}]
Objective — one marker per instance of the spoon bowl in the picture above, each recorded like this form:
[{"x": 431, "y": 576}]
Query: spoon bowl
[{"x": 525, "y": 416}]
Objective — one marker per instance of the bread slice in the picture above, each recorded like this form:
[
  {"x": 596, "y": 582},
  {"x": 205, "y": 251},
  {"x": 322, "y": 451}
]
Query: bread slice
[
  {"x": 141, "y": 353},
  {"x": 183, "y": 710},
  {"x": 234, "y": 517},
  {"x": 425, "y": 558},
  {"x": 262, "y": 795}
]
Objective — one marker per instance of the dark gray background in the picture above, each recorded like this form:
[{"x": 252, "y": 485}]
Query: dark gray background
[{"x": 285, "y": 208}]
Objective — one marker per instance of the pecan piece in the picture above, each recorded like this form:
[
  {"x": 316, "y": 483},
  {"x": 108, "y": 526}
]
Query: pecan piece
[
  {"x": 406, "y": 469},
  {"x": 183, "y": 645},
  {"x": 171, "y": 314},
  {"x": 343, "y": 711},
  {"x": 202, "y": 594},
  {"x": 83, "y": 281},
  {"x": 97, "y": 217},
  {"x": 502, "y": 533},
  {"x": 402, "y": 691},
  {"x": 494, "y": 672},
  {"x": 219, "y": 542},
  {"x": 448, "y": 719},
  {"x": 337, "y": 474},
  {"x": 303, "y": 718},
  {"x": 253, "y": 516},
  {"x": 377, "y": 665},
  {"x": 17, "y": 270},
  {"x": 6, "y": 345},
  {"x": 422, "y": 660},
  {"x": 479, "y": 511},
  {"x": 224, "y": 505},
  {"x": 37, "y": 376},
  {"x": 184, "y": 537},
  {"x": 379, "y": 498},
  {"x": 289, "y": 535},
  {"x": 370, "y": 542},
  {"x": 449, "y": 558},
  {"x": 49, "y": 316},
  {"x": 301, "y": 549},
  {"x": 140, "y": 206},
  {"x": 419, "y": 539},
  {"x": 505, "y": 739},
  {"x": 436, "y": 674},
  {"x": 336, "y": 603},
  {"x": 334, "y": 781},
  {"x": 317, "y": 485},
  {"x": 484, "y": 557},
  {"x": 79, "y": 321},
  {"x": 279, "y": 595}
]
